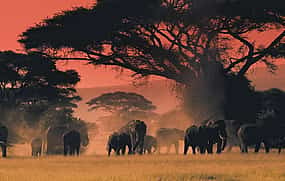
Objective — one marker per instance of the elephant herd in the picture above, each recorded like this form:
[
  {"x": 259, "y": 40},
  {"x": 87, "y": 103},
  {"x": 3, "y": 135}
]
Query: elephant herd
[
  {"x": 222, "y": 133},
  {"x": 58, "y": 140},
  {"x": 201, "y": 138}
]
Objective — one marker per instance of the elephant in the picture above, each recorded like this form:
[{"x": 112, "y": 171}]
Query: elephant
[
  {"x": 55, "y": 140},
  {"x": 252, "y": 134},
  {"x": 113, "y": 143},
  {"x": 118, "y": 142},
  {"x": 277, "y": 143},
  {"x": 167, "y": 137},
  {"x": 255, "y": 134},
  {"x": 149, "y": 143},
  {"x": 71, "y": 143},
  {"x": 136, "y": 130},
  {"x": 216, "y": 132},
  {"x": 3, "y": 139},
  {"x": 196, "y": 137},
  {"x": 36, "y": 145}
]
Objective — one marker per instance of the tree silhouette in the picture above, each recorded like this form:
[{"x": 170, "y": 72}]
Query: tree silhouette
[
  {"x": 30, "y": 84},
  {"x": 164, "y": 38},
  {"x": 123, "y": 104},
  {"x": 180, "y": 40}
]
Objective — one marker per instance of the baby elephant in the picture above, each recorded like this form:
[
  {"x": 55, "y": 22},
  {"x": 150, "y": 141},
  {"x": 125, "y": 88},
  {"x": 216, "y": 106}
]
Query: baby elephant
[
  {"x": 149, "y": 143},
  {"x": 118, "y": 142},
  {"x": 36, "y": 145}
]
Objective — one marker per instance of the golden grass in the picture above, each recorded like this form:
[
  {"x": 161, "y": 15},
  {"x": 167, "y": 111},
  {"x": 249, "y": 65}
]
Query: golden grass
[{"x": 224, "y": 167}]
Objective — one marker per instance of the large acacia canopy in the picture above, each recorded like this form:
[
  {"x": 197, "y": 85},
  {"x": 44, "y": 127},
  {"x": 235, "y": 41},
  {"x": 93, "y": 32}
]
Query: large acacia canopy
[{"x": 175, "y": 39}]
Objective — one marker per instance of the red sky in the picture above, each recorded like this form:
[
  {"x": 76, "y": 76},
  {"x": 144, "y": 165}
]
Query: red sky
[{"x": 17, "y": 15}]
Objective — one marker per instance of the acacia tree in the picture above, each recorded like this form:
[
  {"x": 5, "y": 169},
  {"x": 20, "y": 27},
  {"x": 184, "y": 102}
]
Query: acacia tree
[
  {"x": 125, "y": 105},
  {"x": 30, "y": 84},
  {"x": 172, "y": 39}
]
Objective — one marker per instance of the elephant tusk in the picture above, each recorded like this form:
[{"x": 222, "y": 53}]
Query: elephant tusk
[{"x": 222, "y": 137}]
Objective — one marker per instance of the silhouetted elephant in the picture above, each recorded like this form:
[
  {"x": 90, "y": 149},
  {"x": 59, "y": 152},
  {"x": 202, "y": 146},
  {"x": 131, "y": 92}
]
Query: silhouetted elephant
[
  {"x": 55, "y": 141},
  {"x": 136, "y": 130},
  {"x": 277, "y": 143},
  {"x": 149, "y": 143},
  {"x": 113, "y": 143},
  {"x": 196, "y": 137},
  {"x": 3, "y": 139},
  {"x": 216, "y": 131},
  {"x": 118, "y": 142},
  {"x": 167, "y": 137},
  {"x": 71, "y": 143},
  {"x": 253, "y": 134},
  {"x": 36, "y": 145}
]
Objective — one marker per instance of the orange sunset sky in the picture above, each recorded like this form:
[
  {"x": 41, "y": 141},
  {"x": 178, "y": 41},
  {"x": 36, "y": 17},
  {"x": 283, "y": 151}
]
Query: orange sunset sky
[{"x": 17, "y": 15}]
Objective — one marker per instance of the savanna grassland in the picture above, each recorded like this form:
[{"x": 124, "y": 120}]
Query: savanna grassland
[{"x": 224, "y": 167}]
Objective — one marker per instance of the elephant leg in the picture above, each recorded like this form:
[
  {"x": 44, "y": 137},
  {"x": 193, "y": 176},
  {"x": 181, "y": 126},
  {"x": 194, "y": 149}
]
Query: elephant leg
[
  {"x": 210, "y": 148},
  {"x": 219, "y": 146},
  {"x": 176, "y": 145},
  {"x": 77, "y": 150},
  {"x": 186, "y": 146},
  {"x": 70, "y": 151},
  {"x": 202, "y": 149},
  {"x": 266, "y": 146},
  {"x": 109, "y": 150},
  {"x": 65, "y": 150},
  {"x": 140, "y": 147},
  {"x": 123, "y": 150},
  {"x": 4, "y": 150},
  {"x": 257, "y": 146},
  {"x": 245, "y": 148},
  {"x": 193, "y": 149},
  {"x": 117, "y": 150}
]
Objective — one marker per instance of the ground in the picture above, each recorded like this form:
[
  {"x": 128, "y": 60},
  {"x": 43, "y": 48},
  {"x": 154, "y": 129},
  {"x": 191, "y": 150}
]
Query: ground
[{"x": 224, "y": 167}]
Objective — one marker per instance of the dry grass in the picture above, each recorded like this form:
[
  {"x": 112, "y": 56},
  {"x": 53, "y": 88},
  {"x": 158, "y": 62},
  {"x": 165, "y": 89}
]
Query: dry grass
[{"x": 225, "y": 167}]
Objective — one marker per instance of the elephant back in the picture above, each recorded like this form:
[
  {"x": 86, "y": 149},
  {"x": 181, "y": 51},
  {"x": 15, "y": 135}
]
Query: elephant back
[
  {"x": 169, "y": 135},
  {"x": 192, "y": 131},
  {"x": 217, "y": 128},
  {"x": 133, "y": 126},
  {"x": 150, "y": 140}
]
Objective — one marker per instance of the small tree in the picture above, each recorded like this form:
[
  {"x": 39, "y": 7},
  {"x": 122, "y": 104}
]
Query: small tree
[{"x": 126, "y": 105}]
